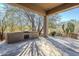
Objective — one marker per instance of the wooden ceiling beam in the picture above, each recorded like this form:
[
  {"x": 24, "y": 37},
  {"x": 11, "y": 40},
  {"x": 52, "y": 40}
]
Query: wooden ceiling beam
[{"x": 62, "y": 7}]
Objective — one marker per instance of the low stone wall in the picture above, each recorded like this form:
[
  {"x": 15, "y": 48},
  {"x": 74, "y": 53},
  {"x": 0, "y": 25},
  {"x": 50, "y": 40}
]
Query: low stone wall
[{"x": 14, "y": 37}]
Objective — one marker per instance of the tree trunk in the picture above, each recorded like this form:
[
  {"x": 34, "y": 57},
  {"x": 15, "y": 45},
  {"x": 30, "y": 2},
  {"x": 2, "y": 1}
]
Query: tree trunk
[
  {"x": 1, "y": 36},
  {"x": 40, "y": 31},
  {"x": 33, "y": 25}
]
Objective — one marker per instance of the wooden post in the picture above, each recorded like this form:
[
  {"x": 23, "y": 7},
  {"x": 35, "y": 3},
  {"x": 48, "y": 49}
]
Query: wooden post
[{"x": 45, "y": 26}]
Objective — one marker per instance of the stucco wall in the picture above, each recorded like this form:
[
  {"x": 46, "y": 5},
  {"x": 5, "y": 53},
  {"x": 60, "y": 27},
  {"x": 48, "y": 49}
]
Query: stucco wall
[
  {"x": 14, "y": 37},
  {"x": 19, "y": 36}
]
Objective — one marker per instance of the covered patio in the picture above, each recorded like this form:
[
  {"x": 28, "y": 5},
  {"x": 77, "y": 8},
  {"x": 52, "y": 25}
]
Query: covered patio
[
  {"x": 45, "y": 10},
  {"x": 44, "y": 45}
]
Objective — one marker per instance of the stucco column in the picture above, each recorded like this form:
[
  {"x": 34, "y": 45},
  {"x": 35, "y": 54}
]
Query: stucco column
[{"x": 45, "y": 26}]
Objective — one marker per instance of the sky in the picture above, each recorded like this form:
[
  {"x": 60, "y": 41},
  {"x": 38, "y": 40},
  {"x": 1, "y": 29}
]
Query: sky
[
  {"x": 2, "y": 6},
  {"x": 65, "y": 16},
  {"x": 2, "y": 10},
  {"x": 70, "y": 14}
]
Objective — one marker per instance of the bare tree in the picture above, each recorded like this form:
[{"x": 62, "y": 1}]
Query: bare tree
[
  {"x": 11, "y": 19},
  {"x": 40, "y": 26},
  {"x": 3, "y": 26},
  {"x": 31, "y": 18}
]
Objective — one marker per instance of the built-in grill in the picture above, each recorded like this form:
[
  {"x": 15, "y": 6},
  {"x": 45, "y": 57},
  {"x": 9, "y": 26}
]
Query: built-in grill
[
  {"x": 26, "y": 35},
  {"x": 30, "y": 34}
]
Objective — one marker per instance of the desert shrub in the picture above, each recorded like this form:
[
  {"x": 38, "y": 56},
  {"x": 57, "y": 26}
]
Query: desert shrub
[
  {"x": 68, "y": 28},
  {"x": 53, "y": 33}
]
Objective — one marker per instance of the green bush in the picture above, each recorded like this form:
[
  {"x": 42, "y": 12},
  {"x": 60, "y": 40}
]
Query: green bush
[{"x": 68, "y": 28}]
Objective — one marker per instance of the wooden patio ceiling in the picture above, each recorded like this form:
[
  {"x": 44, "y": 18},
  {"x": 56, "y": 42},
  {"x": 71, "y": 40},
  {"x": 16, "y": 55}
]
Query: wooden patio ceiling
[{"x": 48, "y": 8}]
